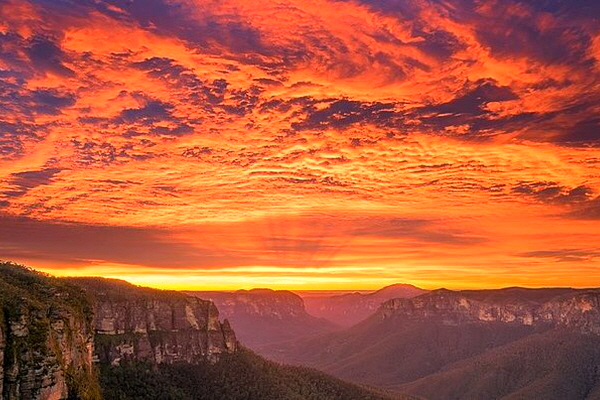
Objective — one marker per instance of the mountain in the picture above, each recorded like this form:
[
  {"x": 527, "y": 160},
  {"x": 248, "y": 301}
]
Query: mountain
[
  {"x": 350, "y": 308},
  {"x": 265, "y": 316},
  {"x": 94, "y": 338},
  {"x": 512, "y": 343}
]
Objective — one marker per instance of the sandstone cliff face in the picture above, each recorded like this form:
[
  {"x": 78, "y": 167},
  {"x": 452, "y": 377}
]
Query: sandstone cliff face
[
  {"x": 42, "y": 352},
  {"x": 277, "y": 304},
  {"x": 153, "y": 325},
  {"x": 46, "y": 340},
  {"x": 52, "y": 331},
  {"x": 575, "y": 309}
]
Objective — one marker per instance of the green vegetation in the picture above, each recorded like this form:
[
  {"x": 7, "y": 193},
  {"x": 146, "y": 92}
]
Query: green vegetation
[
  {"x": 21, "y": 286},
  {"x": 31, "y": 301},
  {"x": 117, "y": 290},
  {"x": 82, "y": 383},
  {"x": 240, "y": 376}
]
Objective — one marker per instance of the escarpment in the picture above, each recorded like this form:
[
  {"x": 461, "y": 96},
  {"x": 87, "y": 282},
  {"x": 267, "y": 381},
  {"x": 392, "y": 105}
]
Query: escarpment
[
  {"x": 351, "y": 308},
  {"x": 263, "y": 316},
  {"x": 134, "y": 323},
  {"x": 53, "y": 331},
  {"x": 567, "y": 308},
  {"x": 407, "y": 340}
]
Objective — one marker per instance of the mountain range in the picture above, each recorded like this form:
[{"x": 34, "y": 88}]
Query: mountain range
[
  {"x": 263, "y": 317},
  {"x": 512, "y": 343},
  {"x": 94, "y": 338},
  {"x": 350, "y": 308}
]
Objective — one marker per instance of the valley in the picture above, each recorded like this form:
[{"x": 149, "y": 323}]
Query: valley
[
  {"x": 502, "y": 344},
  {"x": 93, "y": 338}
]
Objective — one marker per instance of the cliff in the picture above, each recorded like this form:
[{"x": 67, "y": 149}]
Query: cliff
[
  {"x": 409, "y": 340},
  {"x": 135, "y": 323},
  {"x": 263, "y": 316},
  {"x": 578, "y": 309},
  {"x": 53, "y": 330},
  {"x": 46, "y": 338},
  {"x": 278, "y": 304}
]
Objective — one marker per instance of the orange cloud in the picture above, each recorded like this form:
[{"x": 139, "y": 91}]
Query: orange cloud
[{"x": 301, "y": 143}]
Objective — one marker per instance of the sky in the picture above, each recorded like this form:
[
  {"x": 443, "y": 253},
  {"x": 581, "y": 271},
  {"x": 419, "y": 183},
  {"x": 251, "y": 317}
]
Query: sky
[{"x": 322, "y": 144}]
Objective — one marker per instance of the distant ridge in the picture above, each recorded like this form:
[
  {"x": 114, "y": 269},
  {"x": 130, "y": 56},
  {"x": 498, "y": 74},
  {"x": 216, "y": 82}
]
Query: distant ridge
[
  {"x": 350, "y": 308},
  {"x": 262, "y": 316}
]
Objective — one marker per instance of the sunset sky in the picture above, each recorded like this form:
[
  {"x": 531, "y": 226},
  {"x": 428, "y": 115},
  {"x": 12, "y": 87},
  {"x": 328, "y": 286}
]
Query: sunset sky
[{"x": 302, "y": 144}]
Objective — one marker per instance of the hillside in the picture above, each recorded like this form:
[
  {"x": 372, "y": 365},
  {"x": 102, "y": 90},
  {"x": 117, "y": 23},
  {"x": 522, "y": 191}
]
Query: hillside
[
  {"x": 555, "y": 365},
  {"x": 387, "y": 352},
  {"x": 351, "y": 308},
  {"x": 243, "y": 375}
]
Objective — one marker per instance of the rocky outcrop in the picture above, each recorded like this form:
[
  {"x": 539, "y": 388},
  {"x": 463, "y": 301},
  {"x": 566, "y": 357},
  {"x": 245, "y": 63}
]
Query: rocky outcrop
[
  {"x": 45, "y": 352},
  {"x": 263, "y": 316},
  {"x": 579, "y": 309},
  {"x": 52, "y": 330},
  {"x": 278, "y": 304},
  {"x": 134, "y": 323},
  {"x": 46, "y": 338}
]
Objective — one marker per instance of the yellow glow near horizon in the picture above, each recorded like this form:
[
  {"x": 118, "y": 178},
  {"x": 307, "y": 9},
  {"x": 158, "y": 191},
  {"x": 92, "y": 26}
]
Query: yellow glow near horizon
[{"x": 229, "y": 279}]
